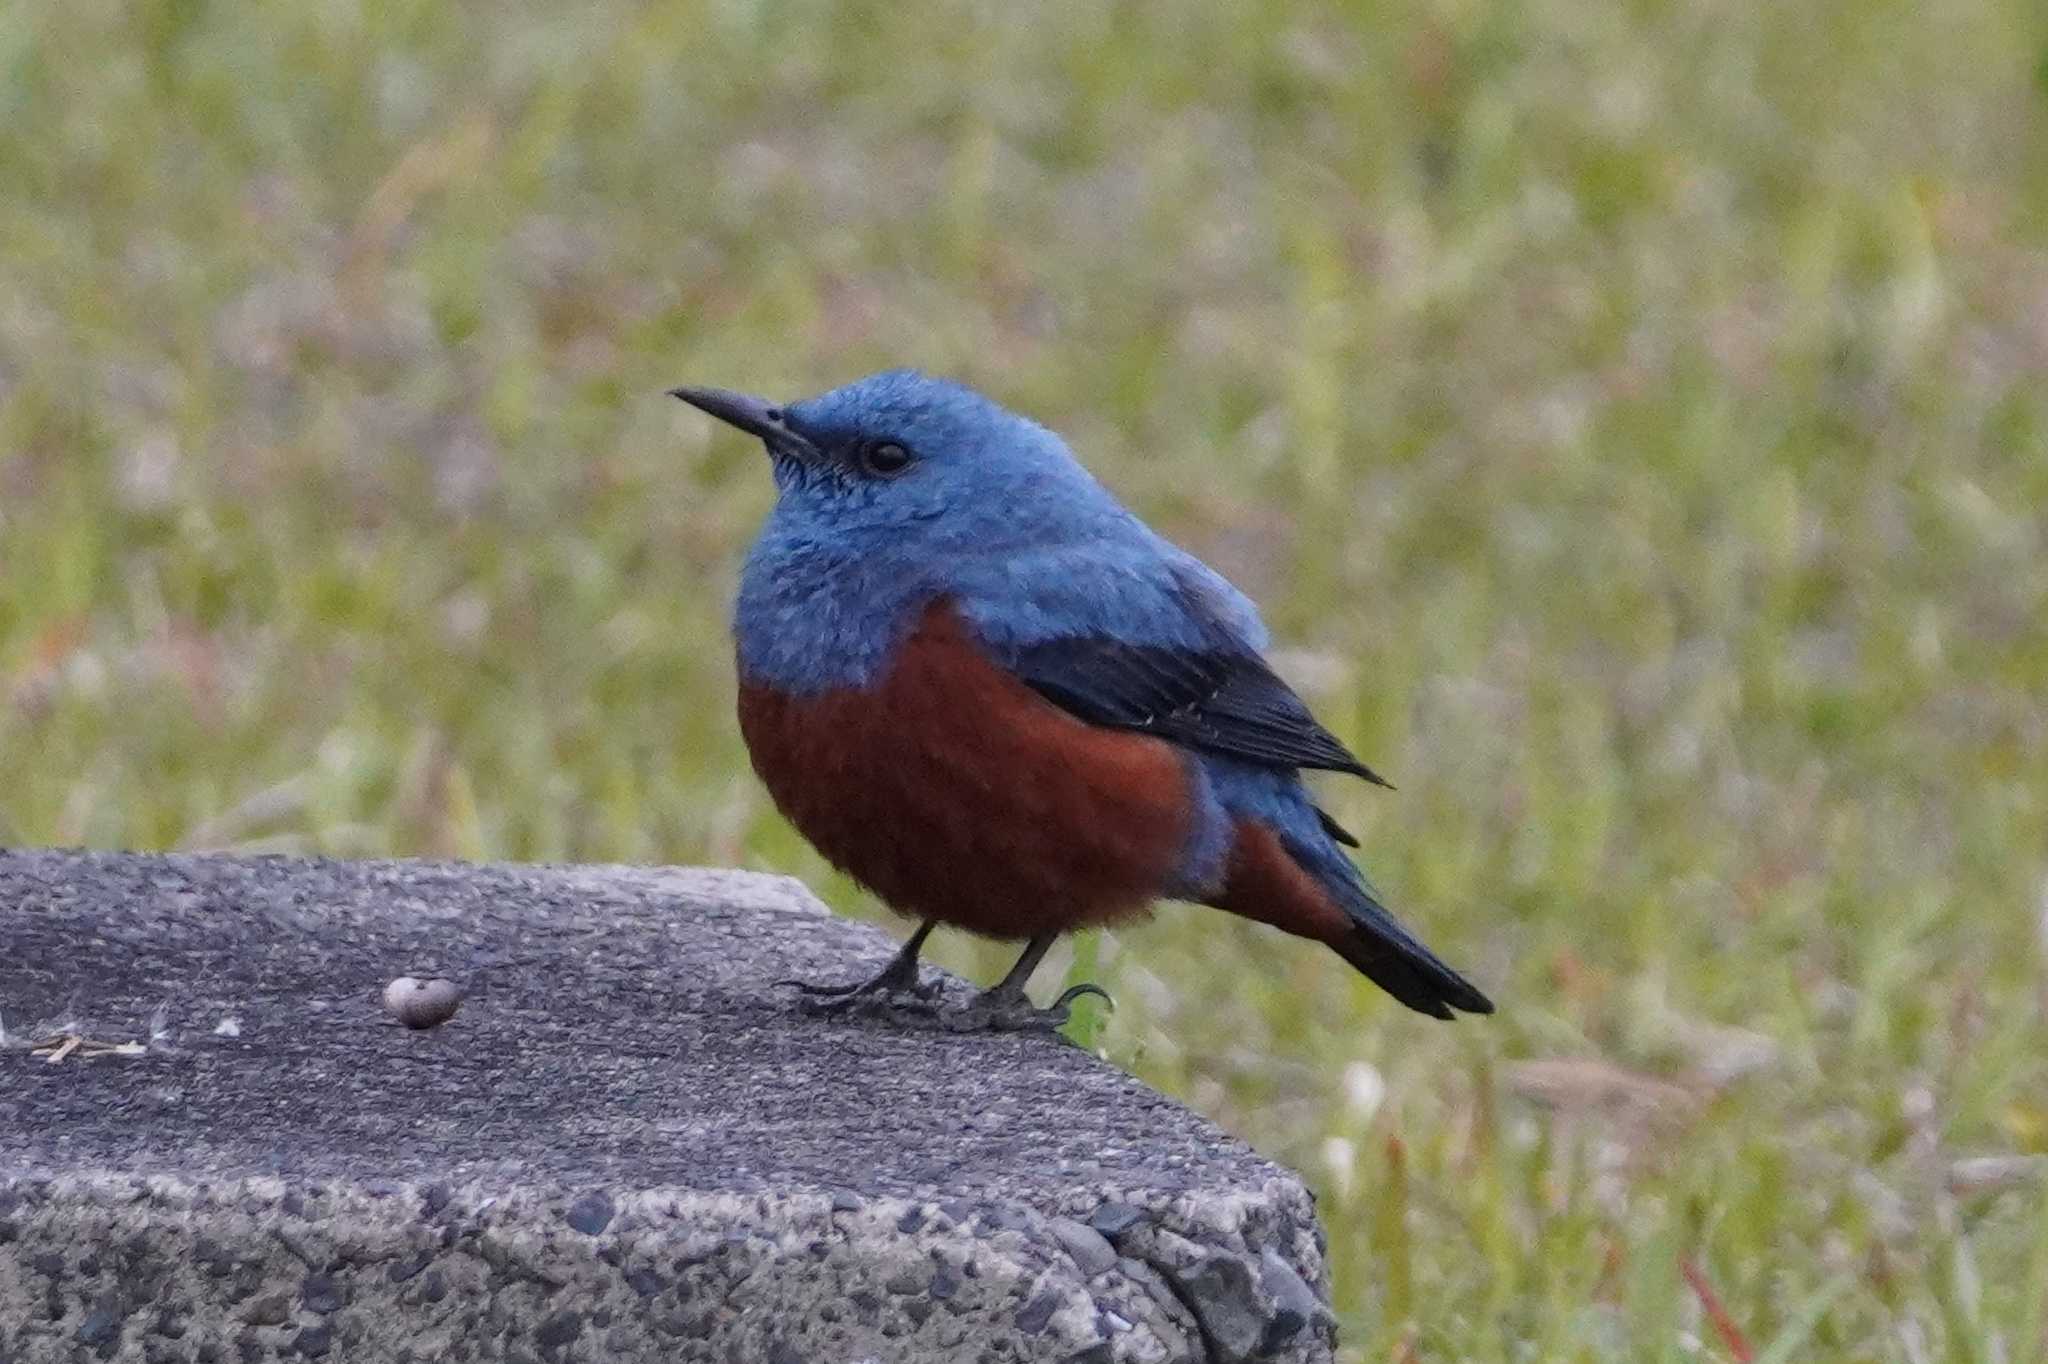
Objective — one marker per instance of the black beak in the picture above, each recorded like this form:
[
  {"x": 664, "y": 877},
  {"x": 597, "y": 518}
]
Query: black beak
[{"x": 755, "y": 416}]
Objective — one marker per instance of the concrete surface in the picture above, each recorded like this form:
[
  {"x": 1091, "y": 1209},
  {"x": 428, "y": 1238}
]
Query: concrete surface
[{"x": 628, "y": 1144}]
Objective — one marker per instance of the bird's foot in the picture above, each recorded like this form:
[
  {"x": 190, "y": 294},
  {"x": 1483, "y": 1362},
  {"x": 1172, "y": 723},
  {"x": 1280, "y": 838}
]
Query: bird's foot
[
  {"x": 894, "y": 1006},
  {"x": 895, "y": 985},
  {"x": 1010, "y": 1010}
]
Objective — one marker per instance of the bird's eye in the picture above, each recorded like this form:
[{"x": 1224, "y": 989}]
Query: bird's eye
[{"x": 883, "y": 458}]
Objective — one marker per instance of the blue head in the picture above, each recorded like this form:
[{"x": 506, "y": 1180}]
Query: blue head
[
  {"x": 900, "y": 488},
  {"x": 899, "y": 463}
]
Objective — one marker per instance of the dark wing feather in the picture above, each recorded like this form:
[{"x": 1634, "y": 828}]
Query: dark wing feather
[
  {"x": 1222, "y": 700},
  {"x": 1336, "y": 830}
]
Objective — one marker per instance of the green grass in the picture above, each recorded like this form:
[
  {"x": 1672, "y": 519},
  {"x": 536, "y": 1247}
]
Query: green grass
[{"x": 1633, "y": 417}]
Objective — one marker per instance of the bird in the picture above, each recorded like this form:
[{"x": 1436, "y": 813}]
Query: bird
[{"x": 986, "y": 690}]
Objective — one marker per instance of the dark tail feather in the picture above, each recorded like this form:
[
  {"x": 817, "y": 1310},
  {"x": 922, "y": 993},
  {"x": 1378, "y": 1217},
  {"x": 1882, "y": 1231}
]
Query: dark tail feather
[
  {"x": 1385, "y": 952},
  {"x": 1391, "y": 959},
  {"x": 1316, "y": 892}
]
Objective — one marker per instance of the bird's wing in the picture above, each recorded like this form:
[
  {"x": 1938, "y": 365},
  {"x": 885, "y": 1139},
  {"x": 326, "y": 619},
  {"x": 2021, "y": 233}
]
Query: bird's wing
[
  {"x": 1129, "y": 632},
  {"x": 1217, "y": 699}
]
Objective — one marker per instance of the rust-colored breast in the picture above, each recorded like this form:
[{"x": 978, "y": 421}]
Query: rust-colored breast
[{"x": 955, "y": 792}]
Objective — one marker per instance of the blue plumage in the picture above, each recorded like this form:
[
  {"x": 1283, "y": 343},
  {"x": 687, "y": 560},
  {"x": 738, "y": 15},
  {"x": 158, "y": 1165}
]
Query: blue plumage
[{"x": 994, "y": 512}]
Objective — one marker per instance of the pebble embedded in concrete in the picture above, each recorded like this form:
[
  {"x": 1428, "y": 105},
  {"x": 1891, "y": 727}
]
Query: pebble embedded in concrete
[{"x": 421, "y": 1004}]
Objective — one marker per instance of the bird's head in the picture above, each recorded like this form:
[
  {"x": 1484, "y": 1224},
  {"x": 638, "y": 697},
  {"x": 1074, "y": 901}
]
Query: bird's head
[{"x": 906, "y": 459}]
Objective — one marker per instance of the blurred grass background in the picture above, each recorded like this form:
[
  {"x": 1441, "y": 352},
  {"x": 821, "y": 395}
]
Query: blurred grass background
[{"x": 1631, "y": 416}]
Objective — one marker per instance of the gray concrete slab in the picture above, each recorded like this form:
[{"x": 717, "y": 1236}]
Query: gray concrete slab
[{"x": 627, "y": 1144}]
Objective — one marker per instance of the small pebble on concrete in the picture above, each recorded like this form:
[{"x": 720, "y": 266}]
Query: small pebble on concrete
[{"x": 422, "y": 1003}]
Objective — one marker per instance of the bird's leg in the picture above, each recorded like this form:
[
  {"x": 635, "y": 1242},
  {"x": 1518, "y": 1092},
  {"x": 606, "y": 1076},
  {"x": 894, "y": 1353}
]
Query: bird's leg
[
  {"x": 898, "y": 977},
  {"x": 1006, "y": 1008},
  {"x": 1012, "y": 985}
]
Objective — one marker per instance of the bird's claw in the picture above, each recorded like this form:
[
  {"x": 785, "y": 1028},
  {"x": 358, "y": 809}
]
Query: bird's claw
[
  {"x": 891, "y": 991},
  {"x": 897, "y": 978},
  {"x": 1082, "y": 991},
  {"x": 1011, "y": 1011},
  {"x": 895, "y": 1005}
]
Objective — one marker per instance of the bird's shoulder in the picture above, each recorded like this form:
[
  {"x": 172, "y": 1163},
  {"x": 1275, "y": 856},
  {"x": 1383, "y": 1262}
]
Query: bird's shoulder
[
  {"x": 1143, "y": 636},
  {"x": 1119, "y": 580}
]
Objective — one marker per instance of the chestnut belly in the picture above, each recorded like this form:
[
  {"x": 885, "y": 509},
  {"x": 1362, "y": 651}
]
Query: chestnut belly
[{"x": 955, "y": 792}]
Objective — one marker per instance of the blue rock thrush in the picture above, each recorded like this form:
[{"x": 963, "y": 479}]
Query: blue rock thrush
[{"x": 987, "y": 691}]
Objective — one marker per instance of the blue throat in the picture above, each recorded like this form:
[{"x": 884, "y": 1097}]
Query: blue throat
[{"x": 820, "y": 614}]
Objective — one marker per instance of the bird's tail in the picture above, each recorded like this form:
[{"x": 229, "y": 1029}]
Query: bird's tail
[
  {"x": 1313, "y": 890},
  {"x": 1396, "y": 961}
]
